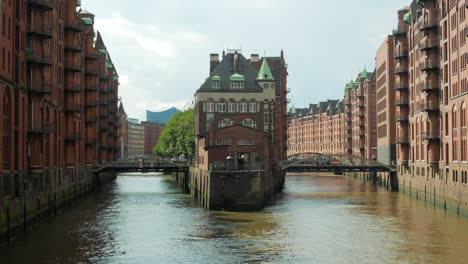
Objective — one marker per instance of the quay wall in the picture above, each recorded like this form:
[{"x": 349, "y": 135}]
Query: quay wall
[{"x": 27, "y": 199}]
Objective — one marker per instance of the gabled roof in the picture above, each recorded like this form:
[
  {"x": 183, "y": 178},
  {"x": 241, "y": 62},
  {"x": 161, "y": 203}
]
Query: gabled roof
[
  {"x": 225, "y": 70},
  {"x": 99, "y": 42},
  {"x": 264, "y": 74}
]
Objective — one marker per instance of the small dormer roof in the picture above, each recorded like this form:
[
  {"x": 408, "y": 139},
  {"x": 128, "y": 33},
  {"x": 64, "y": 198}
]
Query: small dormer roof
[{"x": 236, "y": 77}]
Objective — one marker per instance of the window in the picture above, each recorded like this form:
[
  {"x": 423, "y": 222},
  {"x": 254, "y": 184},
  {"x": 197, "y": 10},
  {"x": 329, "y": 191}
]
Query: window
[
  {"x": 222, "y": 107},
  {"x": 243, "y": 107},
  {"x": 225, "y": 123},
  {"x": 223, "y": 142},
  {"x": 249, "y": 142},
  {"x": 237, "y": 85},
  {"x": 216, "y": 85},
  {"x": 232, "y": 107},
  {"x": 241, "y": 142},
  {"x": 253, "y": 107},
  {"x": 210, "y": 107},
  {"x": 249, "y": 123}
]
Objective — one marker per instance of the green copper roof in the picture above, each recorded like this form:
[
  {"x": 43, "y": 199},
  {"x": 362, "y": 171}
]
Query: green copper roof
[
  {"x": 109, "y": 66},
  {"x": 87, "y": 20},
  {"x": 216, "y": 78},
  {"x": 330, "y": 107},
  {"x": 300, "y": 114},
  {"x": 312, "y": 111},
  {"x": 407, "y": 18},
  {"x": 102, "y": 51},
  {"x": 265, "y": 73},
  {"x": 116, "y": 78},
  {"x": 364, "y": 74},
  {"x": 237, "y": 78},
  {"x": 78, "y": 2},
  {"x": 350, "y": 85}
]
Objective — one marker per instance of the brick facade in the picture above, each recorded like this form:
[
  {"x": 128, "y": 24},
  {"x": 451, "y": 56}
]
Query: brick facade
[
  {"x": 152, "y": 132},
  {"x": 59, "y": 98}
]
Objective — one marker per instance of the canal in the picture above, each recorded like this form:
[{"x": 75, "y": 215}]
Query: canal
[{"x": 318, "y": 219}]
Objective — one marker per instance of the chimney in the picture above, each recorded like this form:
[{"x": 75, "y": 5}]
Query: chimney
[
  {"x": 255, "y": 61},
  {"x": 214, "y": 61},
  {"x": 236, "y": 58}
]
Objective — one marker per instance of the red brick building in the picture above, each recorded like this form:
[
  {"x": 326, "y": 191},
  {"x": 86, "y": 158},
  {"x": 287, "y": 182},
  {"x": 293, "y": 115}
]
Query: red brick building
[
  {"x": 238, "y": 115},
  {"x": 433, "y": 139},
  {"x": 59, "y": 98},
  {"x": 152, "y": 132},
  {"x": 317, "y": 129}
]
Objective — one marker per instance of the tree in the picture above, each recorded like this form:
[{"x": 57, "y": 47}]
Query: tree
[{"x": 178, "y": 137}]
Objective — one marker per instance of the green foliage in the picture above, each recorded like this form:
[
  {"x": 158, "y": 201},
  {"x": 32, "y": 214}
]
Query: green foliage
[{"x": 178, "y": 137}]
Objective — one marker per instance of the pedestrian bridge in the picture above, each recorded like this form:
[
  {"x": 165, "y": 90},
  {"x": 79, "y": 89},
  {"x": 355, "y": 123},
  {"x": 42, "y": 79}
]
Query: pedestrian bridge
[
  {"x": 316, "y": 162},
  {"x": 143, "y": 164}
]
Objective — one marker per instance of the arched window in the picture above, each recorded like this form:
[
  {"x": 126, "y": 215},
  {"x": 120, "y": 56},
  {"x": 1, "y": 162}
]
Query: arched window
[
  {"x": 225, "y": 123},
  {"x": 222, "y": 107},
  {"x": 232, "y": 106},
  {"x": 249, "y": 123},
  {"x": 210, "y": 106},
  {"x": 6, "y": 131},
  {"x": 243, "y": 108},
  {"x": 463, "y": 116},
  {"x": 253, "y": 106}
]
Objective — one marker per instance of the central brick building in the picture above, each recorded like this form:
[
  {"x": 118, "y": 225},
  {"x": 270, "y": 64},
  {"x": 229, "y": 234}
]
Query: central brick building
[{"x": 238, "y": 125}]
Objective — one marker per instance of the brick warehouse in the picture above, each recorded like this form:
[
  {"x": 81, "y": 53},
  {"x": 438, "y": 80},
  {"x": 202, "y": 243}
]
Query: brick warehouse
[
  {"x": 58, "y": 88},
  {"x": 240, "y": 126},
  {"x": 421, "y": 97}
]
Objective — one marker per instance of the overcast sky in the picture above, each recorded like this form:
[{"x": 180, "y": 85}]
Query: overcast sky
[{"x": 161, "y": 48}]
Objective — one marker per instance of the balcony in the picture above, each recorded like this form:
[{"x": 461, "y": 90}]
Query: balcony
[
  {"x": 38, "y": 58},
  {"x": 401, "y": 87},
  {"x": 402, "y": 141},
  {"x": 92, "y": 71},
  {"x": 40, "y": 88},
  {"x": 74, "y": 25},
  {"x": 402, "y": 102},
  {"x": 430, "y": 135},
  {"x": 430, "y": 86},
  {"x": 41, "y": 30},
  {"x": 92, "y": 56},
  {"x": 430, "y": 65},
  {"x": 400, "y": 70},
  {"x": 73, "y": 66},
  {"x": 401, "y": 54},
  {"x": 40, "y": 127},
  {"x": 45, "y": 5},
  {"x": 73, "y": 88},
  {"x": 91, "y": 141},
  {"x": 73, "y": 138},
  {"x": 73, "y": 108},
  {"x": 399, "y": 33},
  {"x": 429, "y": 44},
  {"x": 430, "y": 24},
  {"x": 73, "y": 46},
  {"x": 401, "y": 118},
  {"x": 428, "y": 107},
  {"x": 91, "y": 103},
  {"x": 91, "y": 120},
  {"x": 91, "y": 88}
]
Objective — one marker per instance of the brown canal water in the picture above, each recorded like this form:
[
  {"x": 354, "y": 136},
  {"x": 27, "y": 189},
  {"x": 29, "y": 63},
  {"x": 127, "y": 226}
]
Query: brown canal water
[{"x": 139, "y": 219}]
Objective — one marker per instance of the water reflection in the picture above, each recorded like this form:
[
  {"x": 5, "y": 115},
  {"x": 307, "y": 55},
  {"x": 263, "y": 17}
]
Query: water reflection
[{"x": 141, "y": 219}]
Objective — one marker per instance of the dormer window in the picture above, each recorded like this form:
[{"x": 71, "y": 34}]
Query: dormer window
[
  {"x": 237, "y": 81},
  {"x": 237, "y": 85},
  {"x": 216, "y": 82}
]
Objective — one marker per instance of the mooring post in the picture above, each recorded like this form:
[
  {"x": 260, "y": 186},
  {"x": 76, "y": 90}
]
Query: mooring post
[{"x": 8, "y": 220}]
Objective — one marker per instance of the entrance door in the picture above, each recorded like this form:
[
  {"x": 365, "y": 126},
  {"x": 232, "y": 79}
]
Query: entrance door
[{"x": 243, "y": 160}]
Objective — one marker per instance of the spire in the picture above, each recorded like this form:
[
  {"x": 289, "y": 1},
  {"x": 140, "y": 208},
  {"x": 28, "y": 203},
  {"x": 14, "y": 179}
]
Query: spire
[
  {"x": 99, "y": 41},
  {"x": 265, "y": 73},
  {"x": 121, "y": 109}
]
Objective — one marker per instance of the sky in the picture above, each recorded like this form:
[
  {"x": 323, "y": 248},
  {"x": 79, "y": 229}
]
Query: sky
[{"x": 161, "y": 48}]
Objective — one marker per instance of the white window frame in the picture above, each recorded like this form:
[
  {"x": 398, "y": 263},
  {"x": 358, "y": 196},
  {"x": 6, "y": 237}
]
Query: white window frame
[
  {"x": 219, "y": 142},
  {"x": 222, "y": 107},
  {"x": 237, "y": 85},
  {"x": 232, "y": 107},
  {"x": 241, "y": 142},
  {"x": 243, "y": 107},
  {"x": 216, "y": 84},
  {"x": 253, "y": 107},
  {"x": 249, "y": 142},
  {"x": 210, "y": 107}
]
